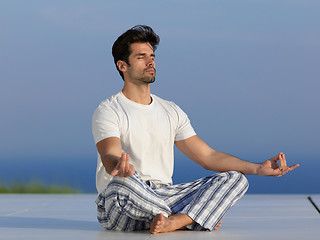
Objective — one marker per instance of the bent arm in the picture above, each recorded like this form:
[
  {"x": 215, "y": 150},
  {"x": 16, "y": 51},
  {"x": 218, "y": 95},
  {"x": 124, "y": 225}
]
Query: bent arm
[
  {"x": 115, "y": 162},
  {"x": 110, "y": 152},
  {"x": 198, "y": 151},
  {"x": 201, "y": 153}
]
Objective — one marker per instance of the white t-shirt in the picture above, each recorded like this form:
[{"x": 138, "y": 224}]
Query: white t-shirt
[{"x": 147, "y": 133}]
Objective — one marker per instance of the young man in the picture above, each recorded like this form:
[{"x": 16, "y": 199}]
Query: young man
[{"x": 135, "y": 132}]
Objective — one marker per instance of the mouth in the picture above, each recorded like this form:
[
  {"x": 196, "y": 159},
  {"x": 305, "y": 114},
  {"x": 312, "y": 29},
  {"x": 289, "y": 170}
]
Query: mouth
[{"x": 150, "y": 70}]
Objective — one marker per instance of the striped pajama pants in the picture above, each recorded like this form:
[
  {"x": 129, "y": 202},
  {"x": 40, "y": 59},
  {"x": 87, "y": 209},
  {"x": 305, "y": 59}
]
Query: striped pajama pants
[{"x": 129, "y": 204}]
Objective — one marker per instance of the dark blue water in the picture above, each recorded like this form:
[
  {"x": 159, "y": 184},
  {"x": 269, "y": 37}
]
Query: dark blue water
[{"x": 80, "y": 173}]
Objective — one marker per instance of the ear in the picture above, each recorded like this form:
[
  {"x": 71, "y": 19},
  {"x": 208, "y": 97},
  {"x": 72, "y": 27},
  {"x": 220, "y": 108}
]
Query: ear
[{"x": 122, "y": 66}]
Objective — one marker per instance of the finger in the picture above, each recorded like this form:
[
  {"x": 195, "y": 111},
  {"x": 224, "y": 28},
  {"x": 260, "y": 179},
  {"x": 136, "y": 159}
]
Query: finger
[
  {"x": 121, "y": 166},
  {"x": 114, "y": 172},
  {"x": 116, "y": 169},
  {"x": 131, "y": 170},
  {"x": 121, "y": 161},
  {"x": 283, "y": 161},
  {"x": 126, "y": 167},
  {"x": 293, "y": 167},
  {"x": 288, "y": 169},
  {"x": 284, "y": 171},
  {"x": 275, "y": 158}
]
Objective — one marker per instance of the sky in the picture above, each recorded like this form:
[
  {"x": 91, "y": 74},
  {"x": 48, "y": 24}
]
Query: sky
[{"x": 246, "y": 73}]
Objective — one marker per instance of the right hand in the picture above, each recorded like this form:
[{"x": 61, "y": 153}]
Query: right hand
[{"x": 123, "y": 168}]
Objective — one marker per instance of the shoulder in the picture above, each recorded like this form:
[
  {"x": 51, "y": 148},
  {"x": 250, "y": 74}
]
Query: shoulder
[
  {"x": 172, "y": 108},
  {"x": 110, "y": 102},
  {"x": 165, "y": 103},
  {"x": 108, "y": 106}
]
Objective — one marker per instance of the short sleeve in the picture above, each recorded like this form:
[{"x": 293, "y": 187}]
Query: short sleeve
[
  {"x": 184, "y": 129},
  {"x": 105, "y": 123}
]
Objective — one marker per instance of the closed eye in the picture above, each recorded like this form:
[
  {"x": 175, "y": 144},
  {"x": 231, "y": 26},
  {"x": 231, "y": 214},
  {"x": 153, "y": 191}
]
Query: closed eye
[
  {"x": 143, "y": 55},
  {"x": 140, "y": 55}
]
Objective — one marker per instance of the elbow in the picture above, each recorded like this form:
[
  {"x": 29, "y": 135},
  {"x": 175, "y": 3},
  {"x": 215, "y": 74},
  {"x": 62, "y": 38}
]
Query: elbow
[
  {"x": 208, "y": 161},
  {"x": 205, "y": 166}
]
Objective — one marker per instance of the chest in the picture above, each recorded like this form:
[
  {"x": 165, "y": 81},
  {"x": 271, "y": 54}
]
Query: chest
[{"x": 152, "y": 126}]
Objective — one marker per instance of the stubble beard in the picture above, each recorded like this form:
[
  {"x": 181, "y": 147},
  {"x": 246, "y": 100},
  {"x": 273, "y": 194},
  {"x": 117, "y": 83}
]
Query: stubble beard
[
  {"x": 143, "y": 77},
  {"x": 148, "y": 79}
]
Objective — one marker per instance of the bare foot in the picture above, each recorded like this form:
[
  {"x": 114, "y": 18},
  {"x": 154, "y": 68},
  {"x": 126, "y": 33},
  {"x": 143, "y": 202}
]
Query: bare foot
[
  {"x": 159, "y": 224},
  {"x": 162, "y": 224},
  {"x": 217, "y": 227}
]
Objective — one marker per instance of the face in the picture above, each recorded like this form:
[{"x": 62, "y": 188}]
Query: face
[{"x": 141, "y": 67}]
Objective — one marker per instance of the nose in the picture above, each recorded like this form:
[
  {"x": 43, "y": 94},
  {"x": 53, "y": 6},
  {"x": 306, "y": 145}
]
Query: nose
[{"x": 151, "y": 62}]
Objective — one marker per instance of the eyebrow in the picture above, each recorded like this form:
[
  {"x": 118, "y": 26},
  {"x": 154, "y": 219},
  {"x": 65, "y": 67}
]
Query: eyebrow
[{"x": 144, "y": 54}]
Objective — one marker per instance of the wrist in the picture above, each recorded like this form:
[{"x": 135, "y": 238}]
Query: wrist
[
  {"x": 257, "y": 169},
  {"x": 254, "y": 170}
]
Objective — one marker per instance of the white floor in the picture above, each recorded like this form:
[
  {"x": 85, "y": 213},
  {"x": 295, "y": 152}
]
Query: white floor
[{"x": 254, "y": 217}]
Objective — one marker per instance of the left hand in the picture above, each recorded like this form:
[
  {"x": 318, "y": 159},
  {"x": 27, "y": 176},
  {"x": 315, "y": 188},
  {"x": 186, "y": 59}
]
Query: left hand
[{"x": 271, "y": 167}]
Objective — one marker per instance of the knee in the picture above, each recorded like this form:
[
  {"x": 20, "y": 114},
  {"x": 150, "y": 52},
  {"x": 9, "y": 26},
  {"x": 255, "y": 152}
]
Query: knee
[
  {"x": 125, "y": 182},
  {"x": 119, "y": 185},
  {"x": 238, "y": 176},
  {"x": 116, "y": 195},
  {"x": 119, "y": 181},
  {"x": 239, "y": 180},
  {"x": 123, "y": 188},
  {"x": 233, "y": 179}
]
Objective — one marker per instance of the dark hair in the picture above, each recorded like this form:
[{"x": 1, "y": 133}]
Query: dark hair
[{"x": 139, "y": 33}]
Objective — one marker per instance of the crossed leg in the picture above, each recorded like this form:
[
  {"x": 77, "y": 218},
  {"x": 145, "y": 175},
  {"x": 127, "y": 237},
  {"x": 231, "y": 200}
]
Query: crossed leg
[{"x": 122, "y": 206}]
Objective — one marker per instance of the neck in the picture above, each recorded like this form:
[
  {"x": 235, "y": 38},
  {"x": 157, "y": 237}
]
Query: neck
[{"x": 137, "y": 93}]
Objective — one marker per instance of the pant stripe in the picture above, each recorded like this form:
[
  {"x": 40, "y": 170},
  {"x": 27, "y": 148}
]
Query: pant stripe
[
  {"x": 140, "y": 196},
  {"x": 224, "y": 203},
  {"x": 129, "y": 204}
]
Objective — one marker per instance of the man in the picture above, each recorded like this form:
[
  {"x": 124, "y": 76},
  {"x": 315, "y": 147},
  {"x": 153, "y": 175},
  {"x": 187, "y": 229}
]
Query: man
[{"x": 135, "y": 132}]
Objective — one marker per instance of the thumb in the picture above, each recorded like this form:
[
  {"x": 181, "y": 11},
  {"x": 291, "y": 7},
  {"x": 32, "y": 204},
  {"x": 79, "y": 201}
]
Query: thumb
[{"x": 115, "y": 171}]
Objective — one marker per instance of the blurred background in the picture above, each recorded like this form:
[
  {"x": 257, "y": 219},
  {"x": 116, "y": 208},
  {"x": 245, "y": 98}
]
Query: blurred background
[{"x": 246, "y": 73}]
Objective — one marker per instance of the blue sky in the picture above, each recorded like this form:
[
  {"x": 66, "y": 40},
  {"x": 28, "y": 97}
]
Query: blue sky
[{"x": 246, "y": 72}]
